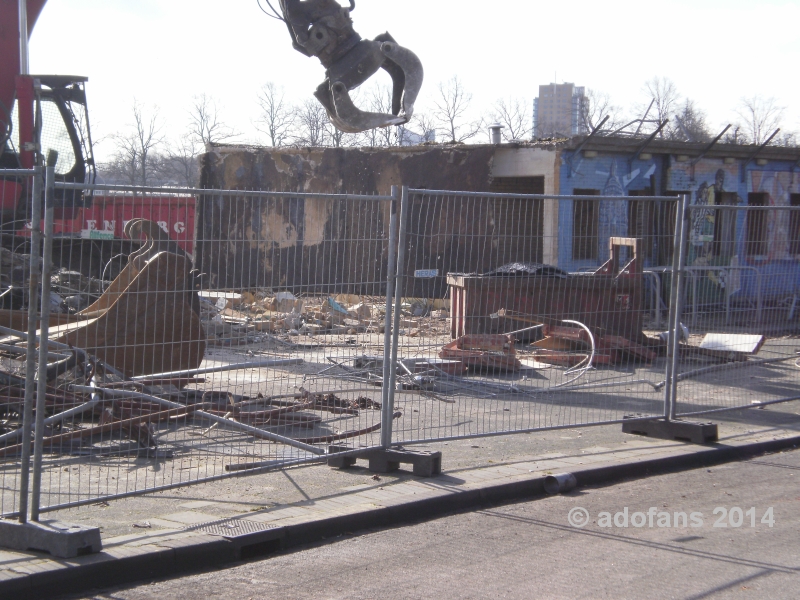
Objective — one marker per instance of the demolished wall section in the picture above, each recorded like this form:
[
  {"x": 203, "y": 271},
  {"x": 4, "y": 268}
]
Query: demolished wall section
[{"x": 320, "y": 245}]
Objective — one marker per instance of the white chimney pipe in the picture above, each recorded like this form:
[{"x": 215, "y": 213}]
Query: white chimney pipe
[{"x": 496, "y": 133}]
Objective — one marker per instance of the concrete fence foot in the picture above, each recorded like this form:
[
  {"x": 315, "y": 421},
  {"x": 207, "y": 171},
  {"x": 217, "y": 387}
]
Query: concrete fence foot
[
  {"x": 676, "y": 430},
  {"x": 425, "y": 464},
  {"x": 60, "y": 540}
]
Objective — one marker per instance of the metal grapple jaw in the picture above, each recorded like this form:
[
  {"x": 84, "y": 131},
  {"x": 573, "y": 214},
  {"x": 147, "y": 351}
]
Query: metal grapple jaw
[{"x": 324, "y": 29}]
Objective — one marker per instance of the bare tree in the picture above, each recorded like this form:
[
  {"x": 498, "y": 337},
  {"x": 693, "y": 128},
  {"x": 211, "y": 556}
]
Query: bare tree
[
  {"x": 789, "y": 139},
  {"x": 380, "y": 101},
  {"x": 664, "y": 94},
  {"x": 596, "y": 107},
  {"x": 205, "y": 125},
  {"x": 512, "y": 114},
  {"x": 338, "y": 139},
  {"x": 180, "y": 165},
  {"x": 420, "y": 122},
  {"x": 426, "y": 126},
  {"x": 123, "y": 167},
  {"x": 277, "y": 117},
  {"x": 135, "y": 158},
  {"x": 690, "y": 124},
  {"x": 735, "y": 136},
  {"x": 312, "y": 122},
  {"x": 761, "y": 116},
  {"x": 451, "y": 108}
]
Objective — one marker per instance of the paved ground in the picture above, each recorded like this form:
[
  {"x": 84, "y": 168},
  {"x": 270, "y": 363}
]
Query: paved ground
[
  {"x": 90, "y": 471},
  {"x": 272, "y": 491},
  {"x": 530, "y": 550},
  {"x": 167, "y": 537}
]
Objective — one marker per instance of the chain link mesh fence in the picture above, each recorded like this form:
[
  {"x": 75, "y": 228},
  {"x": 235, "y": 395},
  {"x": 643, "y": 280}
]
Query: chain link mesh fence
[
  {"x": 494, "y": 339},
  {"x": 740, "y": 307},
  {"x": 211, "y": 355},
  {"x": 200, "y": 334},
  {"x": 20, "y": 265}
]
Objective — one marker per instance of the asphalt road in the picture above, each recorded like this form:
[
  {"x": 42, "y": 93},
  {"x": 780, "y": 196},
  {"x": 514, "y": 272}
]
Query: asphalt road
[{"x": 530, "y": 550}]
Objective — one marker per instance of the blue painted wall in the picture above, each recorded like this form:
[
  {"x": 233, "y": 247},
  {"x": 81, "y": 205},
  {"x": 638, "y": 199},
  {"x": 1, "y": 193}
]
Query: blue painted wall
[
  {"x": 611, "y": 176},
  {"x": 615, "y": 175}
]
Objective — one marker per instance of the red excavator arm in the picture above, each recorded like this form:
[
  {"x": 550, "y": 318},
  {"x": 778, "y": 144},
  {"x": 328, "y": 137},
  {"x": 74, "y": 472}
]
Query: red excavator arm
[{"x": 9, "y": 50}]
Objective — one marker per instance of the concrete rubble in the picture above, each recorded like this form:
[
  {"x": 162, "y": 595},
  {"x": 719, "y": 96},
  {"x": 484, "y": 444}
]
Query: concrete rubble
[{"x": 234, "y": 319}]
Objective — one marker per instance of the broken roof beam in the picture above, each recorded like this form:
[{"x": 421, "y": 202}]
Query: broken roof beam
[
  {"x": 646, "y": 143},
  {"x": 708, "y": 148},
  {"x": 584, "y": 142},
  {"x": 752, "y": 157}
]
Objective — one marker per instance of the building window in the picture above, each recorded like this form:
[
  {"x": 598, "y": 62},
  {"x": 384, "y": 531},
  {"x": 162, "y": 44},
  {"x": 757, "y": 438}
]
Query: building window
[
  {"x": 756, "y": 243},
  {"x": 585, "y": 226},
  {"x": 518, "y": 222},
  {"x": 794, "y": 226}
]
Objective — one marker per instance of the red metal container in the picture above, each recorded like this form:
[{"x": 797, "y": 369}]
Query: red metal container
[{"x": 609, "y": 301}]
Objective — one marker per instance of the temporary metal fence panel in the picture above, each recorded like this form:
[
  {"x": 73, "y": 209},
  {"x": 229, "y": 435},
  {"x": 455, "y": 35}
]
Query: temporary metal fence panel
[
  {"x": 740, "y": 307},
  {"x": 20, "y": 267},
  {"x": 523, "y": 313},
  {"x": 250, "y": 330},
  {"x": 237, "y": 358}
]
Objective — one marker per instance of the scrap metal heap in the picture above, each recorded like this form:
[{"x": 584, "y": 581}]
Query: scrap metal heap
[
  {"x": 121, "y": 364},
  {"x": 324, "y": 29}
]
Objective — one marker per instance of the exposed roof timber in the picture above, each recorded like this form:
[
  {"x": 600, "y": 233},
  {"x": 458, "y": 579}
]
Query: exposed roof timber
[
  {"x": 585, "y": 141},
  {"x": 627, "y": 145},
  {"x": 756, "y": 153},
  {"x": 644, "y": 118},
  {"x": 711, "y": 145},
  {"x": 649, "y": 140}
]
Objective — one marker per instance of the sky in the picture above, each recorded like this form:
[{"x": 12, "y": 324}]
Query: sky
[{"x": 163, "y": 53}]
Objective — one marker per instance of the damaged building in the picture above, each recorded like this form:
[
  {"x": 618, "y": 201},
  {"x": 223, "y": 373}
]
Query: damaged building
[{"x": 346, "y": 251}]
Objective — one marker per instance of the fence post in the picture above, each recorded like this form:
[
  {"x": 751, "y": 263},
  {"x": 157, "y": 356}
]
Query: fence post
[
  {"x": 398, "y": 301},
  {"x": 386, "y": 414},
  {"x": 675, "y": 307},
  {"x": 44, "y": 336},
  {"x": 30, "y": 362}
]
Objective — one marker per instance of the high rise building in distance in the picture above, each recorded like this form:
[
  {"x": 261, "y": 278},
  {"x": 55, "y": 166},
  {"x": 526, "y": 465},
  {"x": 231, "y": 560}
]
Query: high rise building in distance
[{"x": 558, "y": 111}]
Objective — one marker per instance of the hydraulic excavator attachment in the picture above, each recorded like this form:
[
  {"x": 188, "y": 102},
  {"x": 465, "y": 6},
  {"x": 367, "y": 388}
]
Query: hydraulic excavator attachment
[{"x": 324, "y": 29}]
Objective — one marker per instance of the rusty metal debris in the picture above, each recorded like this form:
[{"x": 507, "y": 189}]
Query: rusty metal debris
[
  {"x": 121, "y": 360},
  {"x": 484, "y": 352}
]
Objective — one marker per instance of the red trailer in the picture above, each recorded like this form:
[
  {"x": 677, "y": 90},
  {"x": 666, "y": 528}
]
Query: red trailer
[{"x": 105, "y": 219}]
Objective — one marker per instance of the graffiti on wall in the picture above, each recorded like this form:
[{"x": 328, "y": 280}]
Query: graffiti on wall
[
  {"x": 610, "y": 177},
  {"x": 720, "y": 238},
  {"x": 778, "y": 186}
]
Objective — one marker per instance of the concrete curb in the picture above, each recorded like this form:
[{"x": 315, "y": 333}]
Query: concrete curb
[{"x": 203, "y": 552}]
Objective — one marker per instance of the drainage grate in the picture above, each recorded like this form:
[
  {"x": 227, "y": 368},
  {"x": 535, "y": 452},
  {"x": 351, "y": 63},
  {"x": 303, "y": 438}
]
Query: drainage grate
[{"x": 231, "y": 528}]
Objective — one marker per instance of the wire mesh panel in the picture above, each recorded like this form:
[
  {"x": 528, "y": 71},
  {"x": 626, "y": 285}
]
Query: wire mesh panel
[
  {"x": 740, "y": 306},
  {"x": 200, "y": 334},
  {"x": 521, "y": 313},
  {"x": 17, "y": 266}
]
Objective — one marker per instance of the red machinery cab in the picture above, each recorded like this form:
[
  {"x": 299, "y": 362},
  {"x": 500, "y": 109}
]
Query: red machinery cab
[{"x": 48, "y": 125}]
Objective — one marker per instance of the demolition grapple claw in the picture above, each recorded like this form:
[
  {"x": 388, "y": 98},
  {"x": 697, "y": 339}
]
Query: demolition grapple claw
[{"x": 323, "y": 28}]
